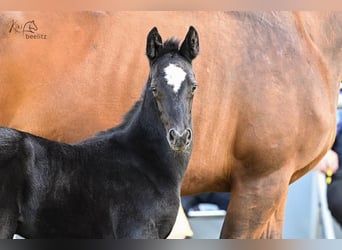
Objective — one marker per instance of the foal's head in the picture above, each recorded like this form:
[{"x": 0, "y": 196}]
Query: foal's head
[{"x": 172, "y": 84}]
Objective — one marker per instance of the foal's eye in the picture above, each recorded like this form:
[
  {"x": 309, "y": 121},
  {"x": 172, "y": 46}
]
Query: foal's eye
[
  {"x": 154, "y": 91},
  {"x": 194, "y": 87}
]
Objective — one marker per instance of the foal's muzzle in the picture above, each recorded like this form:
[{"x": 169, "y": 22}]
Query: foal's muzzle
[{"x": 179, "y": 141}]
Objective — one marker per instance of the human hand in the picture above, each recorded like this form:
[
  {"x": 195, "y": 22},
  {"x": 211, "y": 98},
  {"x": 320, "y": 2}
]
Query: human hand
[{"x": 329, "y": 163}]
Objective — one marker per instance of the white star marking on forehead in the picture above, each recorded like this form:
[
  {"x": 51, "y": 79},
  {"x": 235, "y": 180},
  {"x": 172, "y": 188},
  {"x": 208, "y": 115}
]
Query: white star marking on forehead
[{"x": 174, "y": 76}]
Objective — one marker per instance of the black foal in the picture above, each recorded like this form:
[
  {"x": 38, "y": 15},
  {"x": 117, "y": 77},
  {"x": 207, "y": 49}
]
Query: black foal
[{"x": 122, "y": 183}]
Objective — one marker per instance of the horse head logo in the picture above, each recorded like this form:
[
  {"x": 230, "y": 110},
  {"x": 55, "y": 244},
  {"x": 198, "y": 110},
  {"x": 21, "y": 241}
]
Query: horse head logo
[{"x": 30, "y": 27}]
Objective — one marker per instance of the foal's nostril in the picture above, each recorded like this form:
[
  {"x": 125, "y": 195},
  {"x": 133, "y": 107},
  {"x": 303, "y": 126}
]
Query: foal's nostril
[
  {"x": 172, "y": 135},
  {"x": 179, "y": 141}
]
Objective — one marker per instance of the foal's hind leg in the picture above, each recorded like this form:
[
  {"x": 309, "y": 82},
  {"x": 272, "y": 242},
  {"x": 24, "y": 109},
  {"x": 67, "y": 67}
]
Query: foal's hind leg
[
  {"x": 11, "y": 176},
  {"x": 8, "y": 223},
  {"x": 9, "y": 211},
  {"x": 254, "y": 201}
]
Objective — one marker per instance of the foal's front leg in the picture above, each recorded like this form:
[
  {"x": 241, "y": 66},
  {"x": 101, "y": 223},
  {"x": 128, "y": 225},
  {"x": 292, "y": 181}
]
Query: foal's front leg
[{"x": 137, "y": 230}]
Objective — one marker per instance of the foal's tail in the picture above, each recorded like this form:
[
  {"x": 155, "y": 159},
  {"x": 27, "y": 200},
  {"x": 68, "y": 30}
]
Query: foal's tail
[{"x": 9, "y": 144}]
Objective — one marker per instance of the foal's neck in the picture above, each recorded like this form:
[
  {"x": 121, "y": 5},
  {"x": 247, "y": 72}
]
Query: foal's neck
[
  {"x": 146, "y": 129},
  {"x": 148, "y": 135}
]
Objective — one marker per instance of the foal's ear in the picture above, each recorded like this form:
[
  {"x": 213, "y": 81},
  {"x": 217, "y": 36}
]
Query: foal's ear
[
  {"x": 154, "y": 44},
  {"x": 190, "y": 46}
]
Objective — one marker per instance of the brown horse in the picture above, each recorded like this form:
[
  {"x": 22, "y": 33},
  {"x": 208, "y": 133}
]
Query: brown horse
[{"x": 264, "y": 113}]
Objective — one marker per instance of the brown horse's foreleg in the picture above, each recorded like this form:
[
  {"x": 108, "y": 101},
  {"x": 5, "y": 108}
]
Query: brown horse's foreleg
[
  {"x": 256, "y": 207},
  {"x": 274, "y": 227}
]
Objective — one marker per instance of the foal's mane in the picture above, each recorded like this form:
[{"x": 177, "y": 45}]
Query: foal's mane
[
  {"x": 125, "y": 121},
  {"x": 171, "y": 45},
  {"x": 128, "y": 116}
]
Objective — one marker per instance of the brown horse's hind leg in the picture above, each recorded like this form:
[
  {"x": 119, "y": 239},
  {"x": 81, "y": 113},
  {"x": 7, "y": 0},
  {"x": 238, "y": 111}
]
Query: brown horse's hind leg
[{"x": 256, "y": 207}]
